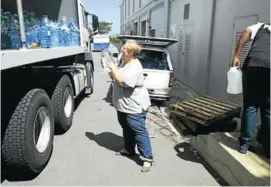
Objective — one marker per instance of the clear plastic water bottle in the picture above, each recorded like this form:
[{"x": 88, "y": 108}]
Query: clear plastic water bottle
[
  {"x": 55, "y": 32},
  {"x": 64, "y": 36},
  {"x": 3, "y": 30},
  {"x": 5, "y": 26},
  {"x": 15, "y": 34},
  {"x": 28, "y": 34},
  {"x": 44, "y": 33},
  {"x": 72, "y": 33},
  {"x": 44, "y": 21},
  {"x": 35, "y": 28},
  {"x": 77, "y": 35}
]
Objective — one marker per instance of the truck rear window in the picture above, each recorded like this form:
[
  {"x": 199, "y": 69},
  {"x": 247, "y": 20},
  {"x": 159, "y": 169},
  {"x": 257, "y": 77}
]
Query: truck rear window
[{"x": 153, "y": 60}]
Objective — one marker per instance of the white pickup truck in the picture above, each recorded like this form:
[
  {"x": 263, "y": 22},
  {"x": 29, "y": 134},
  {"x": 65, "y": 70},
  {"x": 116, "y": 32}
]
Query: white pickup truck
[
  {"x": 156, "y": 62},
  {"x": 39, "y": 86}
]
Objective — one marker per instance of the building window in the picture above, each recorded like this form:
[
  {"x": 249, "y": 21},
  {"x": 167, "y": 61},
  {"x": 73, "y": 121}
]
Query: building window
[
  {"x": 135, "y": 28},
  {"x": 139, "y": 3},
  {"x": 143, "y": 28},
  {"x": 186, "y": 11},
  {"x": 152, "y": 33}
]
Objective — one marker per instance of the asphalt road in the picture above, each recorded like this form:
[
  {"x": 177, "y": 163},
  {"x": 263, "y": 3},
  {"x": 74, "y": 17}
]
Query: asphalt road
[{"x": 85, "y": 155}]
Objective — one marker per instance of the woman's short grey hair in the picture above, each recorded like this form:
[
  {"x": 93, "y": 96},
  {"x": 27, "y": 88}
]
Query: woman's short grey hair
[{"x": 132, "y": 47}]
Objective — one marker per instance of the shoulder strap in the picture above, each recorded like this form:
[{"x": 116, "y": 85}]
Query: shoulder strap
[{"x": 261, "y": 28}]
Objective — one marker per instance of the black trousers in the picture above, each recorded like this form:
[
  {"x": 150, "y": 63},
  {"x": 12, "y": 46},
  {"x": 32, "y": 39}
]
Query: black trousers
[{"x": 256, "y": 95}]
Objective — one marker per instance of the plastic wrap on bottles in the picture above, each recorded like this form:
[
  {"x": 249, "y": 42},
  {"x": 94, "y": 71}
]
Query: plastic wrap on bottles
[
  {"x": 40, "y": 32},
  {"x": 5, "y": 39},
  {"x": 14, "y": 34},
  {"x": 55, "y": 35},
  {"x": 65, "y": 32},
  {"x": 44, "y": 33}
]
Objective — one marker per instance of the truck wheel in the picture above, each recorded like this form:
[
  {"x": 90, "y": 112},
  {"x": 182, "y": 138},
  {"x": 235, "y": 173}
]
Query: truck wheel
[
  {"x": 63, "y": 104},
  {"x": 90, "y": 79},
  {"x": 28, "y": 140}
]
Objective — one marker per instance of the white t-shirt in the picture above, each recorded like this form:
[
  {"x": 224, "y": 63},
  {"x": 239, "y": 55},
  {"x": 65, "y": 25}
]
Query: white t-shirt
[
  {"x": 131, "y": 97},
  {"x": 254, "y": 28}
]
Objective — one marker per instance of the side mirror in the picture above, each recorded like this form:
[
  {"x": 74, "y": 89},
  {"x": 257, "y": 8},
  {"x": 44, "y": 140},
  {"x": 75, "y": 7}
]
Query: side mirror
[
  {"x": 115, "y": 55},
  {"x": 95, "y": 23}
]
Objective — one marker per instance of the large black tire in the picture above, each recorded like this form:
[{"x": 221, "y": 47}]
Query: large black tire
[
  {"x": 61, "y": 95},
  {"x": 19, "y": 149},
  {"x": 90, "y": 79}
]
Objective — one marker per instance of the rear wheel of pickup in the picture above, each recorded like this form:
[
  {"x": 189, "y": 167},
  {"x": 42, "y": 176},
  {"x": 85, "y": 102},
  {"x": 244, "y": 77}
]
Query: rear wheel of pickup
[
  {"x": 63, "y": 104},
  {"x": 28, "y": 139}
]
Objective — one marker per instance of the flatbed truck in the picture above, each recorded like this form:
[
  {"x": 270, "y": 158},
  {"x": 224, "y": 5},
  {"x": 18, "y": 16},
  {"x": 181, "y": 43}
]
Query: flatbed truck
[{"x": 39, "y": 86}]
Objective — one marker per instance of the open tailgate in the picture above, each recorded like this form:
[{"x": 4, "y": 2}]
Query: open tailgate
[{"x": 148, "y": 41}]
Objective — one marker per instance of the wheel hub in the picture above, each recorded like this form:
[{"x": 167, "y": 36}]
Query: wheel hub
[
  {"x": 42, "y": 129},
  {"x": 67, "y": 103}
]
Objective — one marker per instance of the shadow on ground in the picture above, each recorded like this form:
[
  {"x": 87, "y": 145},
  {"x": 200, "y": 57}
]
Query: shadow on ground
[
  {"x": 78, "y": 100},
  {"x": 111, "y": 142},
  {"x": 186, "y": 152}
]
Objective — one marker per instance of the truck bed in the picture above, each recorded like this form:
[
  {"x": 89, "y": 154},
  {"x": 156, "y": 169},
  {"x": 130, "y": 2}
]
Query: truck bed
[
  {"x": 55, "y": 9},
  {"x": 15, "y": 58}
]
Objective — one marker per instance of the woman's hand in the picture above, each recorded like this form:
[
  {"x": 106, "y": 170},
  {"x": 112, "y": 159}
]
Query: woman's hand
[
  {"x": 112, "y": 65},
  {"x": 115, "y": 73}
]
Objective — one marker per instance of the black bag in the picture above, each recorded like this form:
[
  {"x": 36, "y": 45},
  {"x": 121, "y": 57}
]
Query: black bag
[{"x": 109, "y": 94}]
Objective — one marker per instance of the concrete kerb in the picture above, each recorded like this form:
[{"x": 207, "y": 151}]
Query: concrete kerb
[{"x": 219, "y": 151}]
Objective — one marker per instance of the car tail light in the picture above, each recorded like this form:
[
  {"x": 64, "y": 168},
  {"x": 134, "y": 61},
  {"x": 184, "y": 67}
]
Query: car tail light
[{"x": 171, "y": 79}]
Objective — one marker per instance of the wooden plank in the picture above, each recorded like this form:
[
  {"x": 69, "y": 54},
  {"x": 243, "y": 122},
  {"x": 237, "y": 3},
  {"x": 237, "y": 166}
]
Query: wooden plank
[
  {"x": 224, "y": 102},
  {"x": 206, "y": 107},
  {"x": 195, "y": 109},
  {"x": 210, "y": 105},
  {"x": 189, "y": 124},
  {"x": 219, "y": 102},
  {"x": 201, "y": 107},
  {"x": 187, "y": 111},
  {"x": 191, "y": 118},
  {"x": 181, "y": 127},
  {"x": 214, "y": 104}
]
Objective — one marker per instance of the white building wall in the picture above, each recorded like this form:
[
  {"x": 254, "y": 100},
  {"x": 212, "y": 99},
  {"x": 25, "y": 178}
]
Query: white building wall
[
  {"x": 190, "y": 71},
  {"x": 131, "y": 7},
  {"x": 210, "y": 52},
  {"x": 141, "y": 13},
  {"x": 226, "y": 12},
  {"x": 156, "y": 19}
]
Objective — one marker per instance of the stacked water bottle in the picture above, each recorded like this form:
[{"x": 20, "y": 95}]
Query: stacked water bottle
[{"x": 41, "y": 32}]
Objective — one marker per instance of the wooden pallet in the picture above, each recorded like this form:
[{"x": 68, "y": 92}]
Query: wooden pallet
[{"x": 204, "y": 110}]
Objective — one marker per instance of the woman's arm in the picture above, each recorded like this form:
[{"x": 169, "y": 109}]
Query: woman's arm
[
  {"x": 110, "y": 75},
  {"x": 127, "y": 78},
  {"x": 115, "y": 74}
]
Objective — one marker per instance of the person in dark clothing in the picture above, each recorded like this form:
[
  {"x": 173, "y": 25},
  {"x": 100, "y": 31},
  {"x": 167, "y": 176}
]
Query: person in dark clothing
[{"x": 256, "y": 85}]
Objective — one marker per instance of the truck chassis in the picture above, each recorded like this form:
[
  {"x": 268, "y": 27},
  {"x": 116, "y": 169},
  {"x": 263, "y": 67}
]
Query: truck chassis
[{"x": 37, "y": 103}]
